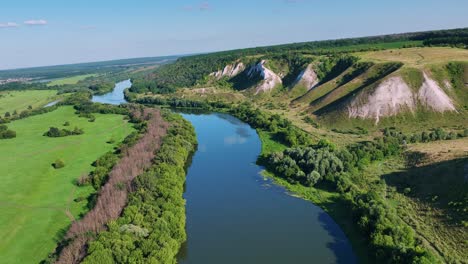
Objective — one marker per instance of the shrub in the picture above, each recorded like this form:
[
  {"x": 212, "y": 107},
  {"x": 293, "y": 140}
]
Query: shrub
[
  {"x": 6, "y": 133},
  {"x": 83, "y": 180},
  {"x": 58, "y": 164},
  {"x": 57, "y": 132}
]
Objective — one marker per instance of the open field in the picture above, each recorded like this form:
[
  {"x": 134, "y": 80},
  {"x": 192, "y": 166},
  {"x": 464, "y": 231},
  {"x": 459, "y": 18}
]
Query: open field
[
  {"x": 70, "y": 80},
  {"x": 37, "y": 201},
  {"x": 417, "y": 57},
  {"x": 20, "y": 100}
]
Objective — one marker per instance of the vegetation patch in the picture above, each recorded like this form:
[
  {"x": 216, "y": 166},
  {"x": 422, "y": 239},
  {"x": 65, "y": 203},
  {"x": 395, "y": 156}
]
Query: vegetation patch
[
  {"x": 57, "y": 132},
  {"x": 6, "y": 133}
]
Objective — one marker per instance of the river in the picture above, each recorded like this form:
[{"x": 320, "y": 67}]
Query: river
[
  {"x": 235, "y": 215},
  {"x": 116, "y": 96}
]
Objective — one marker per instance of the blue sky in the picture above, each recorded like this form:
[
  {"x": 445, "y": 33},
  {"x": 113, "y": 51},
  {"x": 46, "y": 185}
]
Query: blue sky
[{"x": 50, "y": 32}]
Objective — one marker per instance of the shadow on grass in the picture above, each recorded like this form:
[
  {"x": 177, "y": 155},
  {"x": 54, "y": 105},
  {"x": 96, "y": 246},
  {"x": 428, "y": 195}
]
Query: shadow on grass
[{"x": 441, "y": 185}]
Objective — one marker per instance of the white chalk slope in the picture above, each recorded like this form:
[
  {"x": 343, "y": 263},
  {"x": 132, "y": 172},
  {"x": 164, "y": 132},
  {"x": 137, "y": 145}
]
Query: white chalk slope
[
  {"x": 307, "y": 78},
  {"x": 432, "y": 96},
  {"x": 388, "y": 99},
  {"x": 230, "y": 71},
  {"x": 270, "y": 79},
  {"x": 394, "y": 96}
]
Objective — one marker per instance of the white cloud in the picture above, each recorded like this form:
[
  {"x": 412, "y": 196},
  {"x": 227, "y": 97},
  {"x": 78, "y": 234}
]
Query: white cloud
[
  {"x": 205, "y": 6},
  {"x": 8, "y": 25},
  {"x": 234, "y": 140},
  {"x": 39, "y": 22}
]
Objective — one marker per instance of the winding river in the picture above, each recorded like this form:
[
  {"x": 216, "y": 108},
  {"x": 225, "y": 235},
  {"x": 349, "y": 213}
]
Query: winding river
[
  {"x": 116, "y": 96},
  {"x": 235, "y": 215}
]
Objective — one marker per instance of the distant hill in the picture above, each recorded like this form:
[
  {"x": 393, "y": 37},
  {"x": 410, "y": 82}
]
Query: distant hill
[{"x": 59, "y": 71}]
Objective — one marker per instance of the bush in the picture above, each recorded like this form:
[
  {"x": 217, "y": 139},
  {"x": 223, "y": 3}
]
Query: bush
[
  {"x": 58, "y": 164},
  {"x": 83, "y": 180},
  {"x": 6, "y": 133},
  {"x": 57, "y": 132}
]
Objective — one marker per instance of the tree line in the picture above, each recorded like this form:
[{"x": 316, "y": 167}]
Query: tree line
[
  {"x": 282, "y": 129},
  {"x": 425, "y": 136},
  {"x": 152, "y": 226}
]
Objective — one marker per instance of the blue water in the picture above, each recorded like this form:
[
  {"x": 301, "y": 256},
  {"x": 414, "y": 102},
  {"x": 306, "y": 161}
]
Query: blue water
[
  {"x": 115, "y": 97},
  {"x": 234, "y": 215}
]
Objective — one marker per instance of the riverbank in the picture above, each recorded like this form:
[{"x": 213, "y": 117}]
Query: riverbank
[
  {"x": 330, "y": 202},
  {"x": 364, "y": 204}
]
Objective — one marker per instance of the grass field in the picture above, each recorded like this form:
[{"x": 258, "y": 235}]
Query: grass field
[
  {"x": 417, "y": 57},
  {"x": 70, "y": 80},
  {"x": 37, "y": 201},
  {"x": 269, "y": 145},
  {"x": 20, "y": 100}
]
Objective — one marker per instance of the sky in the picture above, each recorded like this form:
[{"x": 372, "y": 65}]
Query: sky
[{"x": 53, "y": 32}]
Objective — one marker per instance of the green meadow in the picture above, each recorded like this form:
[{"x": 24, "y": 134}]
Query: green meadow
[
  {"x": 37, "y": 201},
  {"x": 21, "y": 100}
]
